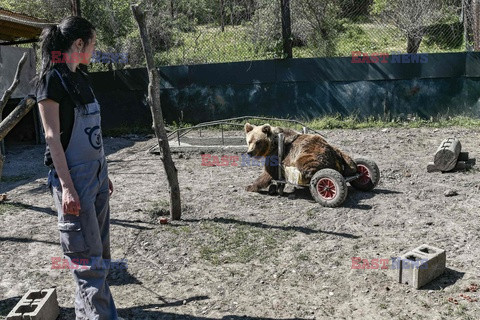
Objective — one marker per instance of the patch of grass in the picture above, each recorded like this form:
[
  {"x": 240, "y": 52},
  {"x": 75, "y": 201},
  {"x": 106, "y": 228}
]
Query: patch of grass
[
  {"x": 460, "y": 310},
  {"x": 159, "y": 208},
  {"x": 238, "y": 244},
  {"x": 178, "y": 230},
  {"x": 311, "y": 213},
  {"x": 174, "y": 125},
  {"x": 16, "y": 178},
  {"x": 8, "y": 208},
  {"x": 355, "y": 122},
  {"x": 303, "y": 257}
]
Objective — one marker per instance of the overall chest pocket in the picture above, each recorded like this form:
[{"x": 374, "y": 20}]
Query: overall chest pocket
[{"x": 91, "y": 109}]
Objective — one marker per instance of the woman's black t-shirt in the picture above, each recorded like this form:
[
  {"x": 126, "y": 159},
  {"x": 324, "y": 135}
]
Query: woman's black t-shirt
[{"x": 51, "y": 88}]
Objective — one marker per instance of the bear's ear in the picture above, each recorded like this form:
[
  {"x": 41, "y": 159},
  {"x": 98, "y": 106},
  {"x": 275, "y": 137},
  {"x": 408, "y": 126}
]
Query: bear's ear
[
  {"x": 248, "y": 127},
  {"x": 266, "y": 129}
]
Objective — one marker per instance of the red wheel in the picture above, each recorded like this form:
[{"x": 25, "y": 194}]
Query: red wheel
[
  {"x": 370, "y": 175},
  {"x": 365, "y": 178},
  {"x": 328, "y": 187}
]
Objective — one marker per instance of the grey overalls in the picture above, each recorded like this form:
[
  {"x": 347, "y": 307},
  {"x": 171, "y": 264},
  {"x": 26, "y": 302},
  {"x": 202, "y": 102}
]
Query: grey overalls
[{"x": 85, "y": 238}]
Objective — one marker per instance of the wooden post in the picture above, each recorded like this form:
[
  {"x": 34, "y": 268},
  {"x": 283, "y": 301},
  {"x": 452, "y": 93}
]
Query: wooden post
[
  {"x": 222, "y": 15},
  {"x": 286, "y": 29},
  {"x": 76, "y": 8},
  {"x": 157, "y": 116},
  {"x": 232, "y": 8},
  {"x": 447, "y": 155},
  {"x": 476, "y": 24},
  {"x": 172, "y": 9}
]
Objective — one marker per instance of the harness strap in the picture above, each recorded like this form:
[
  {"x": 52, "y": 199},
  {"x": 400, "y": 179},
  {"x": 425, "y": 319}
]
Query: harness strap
[{"x": 67, "y": 88}]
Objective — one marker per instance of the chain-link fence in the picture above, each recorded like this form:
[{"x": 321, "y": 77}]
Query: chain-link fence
[
  {"x": 239, "y": 30},
  {"x": 215, "y": 31}
]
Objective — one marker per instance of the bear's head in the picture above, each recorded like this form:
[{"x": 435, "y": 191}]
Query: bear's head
[{"x": 259, "y": 139}]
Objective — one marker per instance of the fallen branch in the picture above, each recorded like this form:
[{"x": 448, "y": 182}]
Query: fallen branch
[{"x": 16, "y": 115}]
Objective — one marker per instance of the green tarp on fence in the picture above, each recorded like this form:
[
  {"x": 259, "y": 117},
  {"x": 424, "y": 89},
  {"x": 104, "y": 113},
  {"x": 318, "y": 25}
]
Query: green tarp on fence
[{"x": 447, "y": 84}]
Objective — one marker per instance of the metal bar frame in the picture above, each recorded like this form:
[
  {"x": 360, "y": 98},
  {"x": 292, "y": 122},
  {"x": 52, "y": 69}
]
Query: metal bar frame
[{"x": 184, "y": 131}]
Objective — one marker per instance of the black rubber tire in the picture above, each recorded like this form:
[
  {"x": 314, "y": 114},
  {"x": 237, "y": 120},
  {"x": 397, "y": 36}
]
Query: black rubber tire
[
  {"x": 333, "y": 178},
  {"x": 272, "y": 189},
  {"x": 373, "y": 172}
]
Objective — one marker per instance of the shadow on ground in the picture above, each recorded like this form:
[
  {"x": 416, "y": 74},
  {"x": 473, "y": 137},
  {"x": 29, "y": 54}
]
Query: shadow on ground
[{"x": 304, "y": 230}]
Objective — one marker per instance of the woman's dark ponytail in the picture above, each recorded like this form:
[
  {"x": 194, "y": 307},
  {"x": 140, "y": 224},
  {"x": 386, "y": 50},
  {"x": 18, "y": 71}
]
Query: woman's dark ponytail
[{"x": 60, "y": 38}]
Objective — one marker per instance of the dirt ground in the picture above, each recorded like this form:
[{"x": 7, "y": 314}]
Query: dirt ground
[{"x": 246, "y": 255}]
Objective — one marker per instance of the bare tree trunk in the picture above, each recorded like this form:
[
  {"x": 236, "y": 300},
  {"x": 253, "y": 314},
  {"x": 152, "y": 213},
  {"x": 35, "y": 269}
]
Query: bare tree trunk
[
  {"x": 286, "y": 28},
  {"x": 155, "y": 108},
  {"x": 476, "y": 24},
  {"x": 413, "y": 44},
  {"x": 76, "y": 9},
  {"x": 172, "y": 9},
  {"x": 232, "y": 7},
  {"x": 222, "y": 15},
  {"x": 467, "y": 24}
]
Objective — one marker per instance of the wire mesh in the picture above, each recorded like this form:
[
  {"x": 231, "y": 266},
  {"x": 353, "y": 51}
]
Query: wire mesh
[{"x": 214, "y": 31}]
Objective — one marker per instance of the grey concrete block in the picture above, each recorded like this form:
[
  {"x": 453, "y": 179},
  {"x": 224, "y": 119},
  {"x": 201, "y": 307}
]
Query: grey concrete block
[
  {"x": 421, "y": 265},
  {"x": 36, "y": 305},
  {"x": 21, "y": 307}
]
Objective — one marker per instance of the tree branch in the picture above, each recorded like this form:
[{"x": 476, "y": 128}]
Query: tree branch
[
  {"x": 16, "y": 115},
  {"x": 16, "y": 81}
]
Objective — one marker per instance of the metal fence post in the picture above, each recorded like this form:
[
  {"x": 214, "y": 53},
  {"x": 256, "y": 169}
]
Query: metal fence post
[{"x": 280, "y": 155}]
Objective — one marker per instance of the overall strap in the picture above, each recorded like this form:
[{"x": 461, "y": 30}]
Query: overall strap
[{"x": 64, "y": 84}]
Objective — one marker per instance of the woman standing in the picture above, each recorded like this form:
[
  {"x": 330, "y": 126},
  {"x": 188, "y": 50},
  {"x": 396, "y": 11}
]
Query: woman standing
[{"x": 78, "y": 178}]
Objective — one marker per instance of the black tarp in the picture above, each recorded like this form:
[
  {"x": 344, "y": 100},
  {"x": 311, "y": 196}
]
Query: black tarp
[{"x": 447, "y": 84}]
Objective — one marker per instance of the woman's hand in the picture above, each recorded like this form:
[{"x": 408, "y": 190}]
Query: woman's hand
[
  {"x": 110, "y": 186},
  {"x": 70, "y": 201}
]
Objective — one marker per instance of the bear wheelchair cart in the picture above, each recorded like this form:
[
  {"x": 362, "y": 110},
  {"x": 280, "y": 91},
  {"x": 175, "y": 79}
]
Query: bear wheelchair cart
[{"x": 327, "y": 186}]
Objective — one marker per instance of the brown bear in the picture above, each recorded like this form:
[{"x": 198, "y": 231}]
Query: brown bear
[{"x": 307, "y": 152}]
